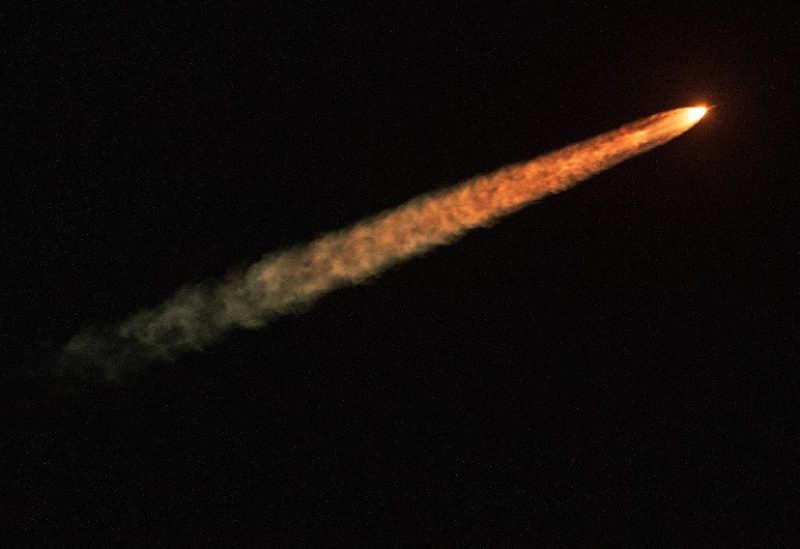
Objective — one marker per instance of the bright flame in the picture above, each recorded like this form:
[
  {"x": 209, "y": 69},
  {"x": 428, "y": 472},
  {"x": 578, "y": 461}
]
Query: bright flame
[{"x": 696, "y": 113}]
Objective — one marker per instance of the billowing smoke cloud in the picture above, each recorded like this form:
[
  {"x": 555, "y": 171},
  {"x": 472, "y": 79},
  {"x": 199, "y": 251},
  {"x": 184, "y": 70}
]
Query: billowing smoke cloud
[{"x": 288, "y": 280}]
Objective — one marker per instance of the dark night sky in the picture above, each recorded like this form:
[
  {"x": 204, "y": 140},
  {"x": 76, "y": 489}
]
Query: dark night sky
[{"x": 616, "y": 365}]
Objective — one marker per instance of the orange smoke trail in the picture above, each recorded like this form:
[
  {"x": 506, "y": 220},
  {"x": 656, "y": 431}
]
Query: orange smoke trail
[{"x": 287, "y": 281}]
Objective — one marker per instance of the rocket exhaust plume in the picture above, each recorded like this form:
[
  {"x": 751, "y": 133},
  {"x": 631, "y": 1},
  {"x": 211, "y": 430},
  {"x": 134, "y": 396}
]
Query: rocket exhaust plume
[{"x": 288, "y": 280}]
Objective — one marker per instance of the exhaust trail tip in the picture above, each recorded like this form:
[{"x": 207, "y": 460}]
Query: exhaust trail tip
[{"x": 694, "y": 114}]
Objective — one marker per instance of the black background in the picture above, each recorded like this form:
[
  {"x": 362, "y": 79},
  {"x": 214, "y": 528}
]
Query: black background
[{"x": 616, "y": 365}]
